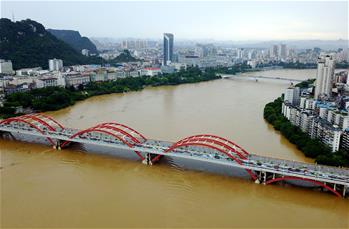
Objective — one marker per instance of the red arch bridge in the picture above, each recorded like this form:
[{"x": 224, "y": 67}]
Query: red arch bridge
[{"x": 203, "y": 148}]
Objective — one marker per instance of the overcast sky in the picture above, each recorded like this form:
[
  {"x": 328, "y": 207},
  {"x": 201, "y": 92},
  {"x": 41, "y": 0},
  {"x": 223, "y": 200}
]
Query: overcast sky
[{"x": 207, "y": 20}]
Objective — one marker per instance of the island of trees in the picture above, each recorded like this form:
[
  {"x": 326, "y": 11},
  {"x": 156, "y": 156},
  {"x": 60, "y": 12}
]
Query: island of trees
[
  {"x": 54, "y": 98},
  {"x": 312, "y": 148}
]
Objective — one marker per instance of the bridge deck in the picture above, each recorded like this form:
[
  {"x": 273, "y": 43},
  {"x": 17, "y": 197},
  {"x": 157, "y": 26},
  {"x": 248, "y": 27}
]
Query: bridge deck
[{"x": 253, "y": 162}]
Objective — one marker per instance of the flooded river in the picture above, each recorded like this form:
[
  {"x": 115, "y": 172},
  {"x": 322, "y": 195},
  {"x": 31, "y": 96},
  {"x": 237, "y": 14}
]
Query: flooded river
[{"x": 42, "y": 187}]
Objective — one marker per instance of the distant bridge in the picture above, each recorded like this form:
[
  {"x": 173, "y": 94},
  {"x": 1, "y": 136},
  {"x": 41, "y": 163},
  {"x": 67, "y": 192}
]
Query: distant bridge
[
  {"x": 202, "y": 147},
  {"x": 260, "y": 77}
]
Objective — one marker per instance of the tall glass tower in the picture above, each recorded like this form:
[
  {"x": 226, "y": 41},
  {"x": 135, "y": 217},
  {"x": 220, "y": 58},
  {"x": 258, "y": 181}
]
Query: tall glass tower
[{"x": 168, "y": 48}]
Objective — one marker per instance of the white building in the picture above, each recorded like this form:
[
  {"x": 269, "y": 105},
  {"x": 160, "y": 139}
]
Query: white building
[
  {"x": 325, "y": 76},
  {"x": 292, "y": 95},
  {"x": 338, "y": 118},
  {"x": 75, "y": 79},
  {"x": 55, "y": 64},
  {"x": 50, "y": 80},
  {"x": 85, "y": 52},
  {"x": 316, "y": 127},
  {"x": 150, "y": 71},
  {"x": 326, "y": 133},
  {"x": 6, "y": 66}
]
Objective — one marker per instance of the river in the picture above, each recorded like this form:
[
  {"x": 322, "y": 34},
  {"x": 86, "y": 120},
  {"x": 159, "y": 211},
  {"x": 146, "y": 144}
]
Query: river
[{"x": 42, "y": 187}]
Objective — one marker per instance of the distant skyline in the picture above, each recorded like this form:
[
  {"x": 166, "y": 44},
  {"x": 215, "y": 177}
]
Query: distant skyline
[{"x": 239, "y": 21}]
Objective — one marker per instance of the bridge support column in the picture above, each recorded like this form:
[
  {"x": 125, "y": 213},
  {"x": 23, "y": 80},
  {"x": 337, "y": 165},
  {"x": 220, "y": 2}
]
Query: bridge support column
[
  {"x": 260, "y": 175},
  {"x": 58, "y": 145},
  {"x": 258, "y": 178},
  {"x": 344, "y": 190},
  {"x": 147, "y": 159},
  {"x": 264, "y": 177}
]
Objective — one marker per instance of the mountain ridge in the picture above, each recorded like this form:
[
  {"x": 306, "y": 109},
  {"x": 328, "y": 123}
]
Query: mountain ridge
[
  {"x": 74, "y": 39},
  {"x": 28, "y": 44}
]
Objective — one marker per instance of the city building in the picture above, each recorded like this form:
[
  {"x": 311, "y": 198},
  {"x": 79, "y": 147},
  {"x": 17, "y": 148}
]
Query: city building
[
  {"x": 76, "y": 79},
  {"x": 283, "y": 51},
  {"x": 326, "y": 132},
  {"x": 315, "y": 126},
  {"x": 6, "y": 67},
  {"x": 151, "y": 71},
  {"x": 47, "y": 82},
  {"x": 345, "y": 140},
  {"x": 292, "y": 95},
  {"x": 55, "y": 64},
  {"x": 324, "y": 76},
  {"x": 274, "y": 51},
  {"x": 168, "y": 48}
]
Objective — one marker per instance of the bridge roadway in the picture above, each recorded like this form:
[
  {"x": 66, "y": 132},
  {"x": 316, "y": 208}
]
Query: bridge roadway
[
  {"x": 261, "y": 77},
  {"x": 261, "y": 169}
]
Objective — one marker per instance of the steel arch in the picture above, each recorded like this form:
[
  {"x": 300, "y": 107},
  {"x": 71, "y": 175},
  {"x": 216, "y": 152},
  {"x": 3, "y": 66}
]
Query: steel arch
[
  {"x": 94, "y": 129},
  {"x": 9, "y": 120},
  {"x": 49, "y": 118},
  {"x": 219, "y": 138},
  {"x": 115, "y": 126},
  {"x": 205, "y": 144},
  {"x": 126, "y": 127},
  {"x": 304, "y": 179},
  {"x": 40, "y": 121},
  {"x": 214, "y": 141}
]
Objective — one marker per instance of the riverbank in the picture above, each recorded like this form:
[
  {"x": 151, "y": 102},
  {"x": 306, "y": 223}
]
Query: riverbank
[
  {"x": 55, "y": 98},
  {"x": 312, "y": 148}
]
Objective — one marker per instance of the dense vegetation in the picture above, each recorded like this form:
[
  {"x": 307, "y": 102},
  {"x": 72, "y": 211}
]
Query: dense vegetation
[
  {"x": 238, "y": 68},
  {"x": 54, "y": 98},
  {"x": 310, "y": 147},
  {"x": 28, "y": 44},
  {"x": 125, "y": 56},
  {"x": 305, "y": 83},
  {"x": 296, "y": 65},
  {"x": 343, "y": 64},
  {"x": 74, "y": 39}
]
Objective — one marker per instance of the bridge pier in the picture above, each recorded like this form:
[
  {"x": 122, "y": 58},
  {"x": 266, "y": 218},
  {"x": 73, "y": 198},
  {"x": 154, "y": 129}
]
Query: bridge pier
[
  {"x": 58, "y": 145},
  {"x": 148, "y": 159},
  {"x": 264, "y": 177},
  {"x": 344, "y": 190},
  {"x": 258, "y": 178}
]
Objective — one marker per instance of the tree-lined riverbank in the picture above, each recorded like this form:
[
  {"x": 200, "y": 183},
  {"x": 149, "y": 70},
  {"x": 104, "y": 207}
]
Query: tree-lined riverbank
[
  {"x": 312, "y": 148},
  {"x": 55, "y": 98}
]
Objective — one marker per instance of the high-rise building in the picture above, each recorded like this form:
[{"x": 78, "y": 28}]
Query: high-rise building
[
  {"x": 324, "y": 76},
  {"x": 168, "y": 48},
  {"x": 292, "y": 95},
  {"x": 274, "y": 51},
  {"x": 55, "y": 64},
  {"x": 283, "y": 51}
]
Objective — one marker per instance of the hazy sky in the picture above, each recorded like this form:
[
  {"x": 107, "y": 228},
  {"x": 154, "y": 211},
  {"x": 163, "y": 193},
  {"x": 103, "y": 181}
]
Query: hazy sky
[{"x": 225, "y": 20}]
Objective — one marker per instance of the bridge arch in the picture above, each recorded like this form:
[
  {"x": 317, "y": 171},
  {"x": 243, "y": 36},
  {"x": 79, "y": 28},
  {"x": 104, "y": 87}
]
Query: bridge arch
[
  {"x": 27, "y": 122},
  {"x": 131, "y": 133},
  {"x": 39, "y": 119},
  {"x": 218, "y": 141},
  {"x": 48, "y": 119},
  {"x": 285, "y": 178},
  {"x": 207, "y": 143},
  {"x": 223, "y": 140},
  {"x": 110, "y": 129}
]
